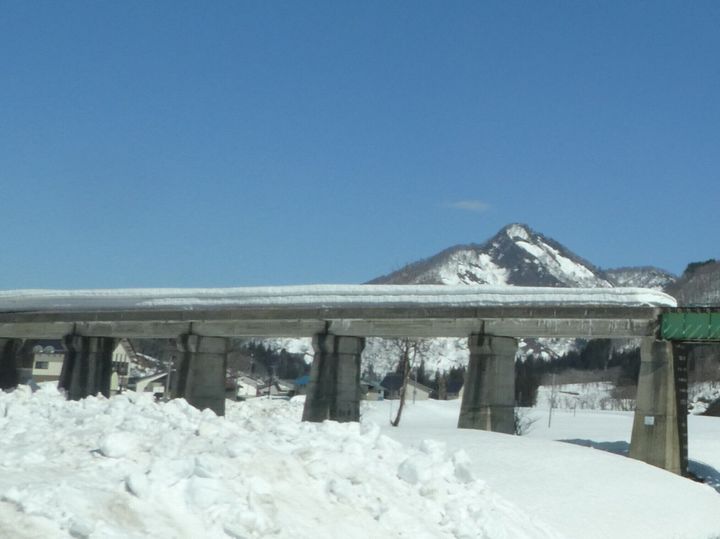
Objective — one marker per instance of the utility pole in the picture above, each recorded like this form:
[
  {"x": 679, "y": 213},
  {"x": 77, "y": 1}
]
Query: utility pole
[
  {"x": 170, "y": 361},
  {"x": 552, "y": 400}
]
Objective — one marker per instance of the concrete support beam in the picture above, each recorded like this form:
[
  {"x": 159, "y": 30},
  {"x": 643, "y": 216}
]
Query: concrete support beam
[
  {"x": 489, "y": 393},
  {"x": 656, "y": 434},
  {"x": 201, "y": 371},
  {"x": 87, "y": 368},
  {"x": 334, "y": 388},
  {"x": 8, "y": 363}
]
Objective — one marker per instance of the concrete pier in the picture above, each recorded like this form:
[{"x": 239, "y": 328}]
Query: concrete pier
[
  {"x": 334, "y": 387},
  {"x": 656, "y": 437},
  {"x": 489, "y": 393},
  {"x": 9, "y": 375},
  {"x": 87, "y": 368},
  {"x": 201, "y": 371}
]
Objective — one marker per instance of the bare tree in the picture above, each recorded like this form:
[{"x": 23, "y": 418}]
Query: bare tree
[
  {"x": 442, "y": 383},
  {"x": 410, "y": 351}
]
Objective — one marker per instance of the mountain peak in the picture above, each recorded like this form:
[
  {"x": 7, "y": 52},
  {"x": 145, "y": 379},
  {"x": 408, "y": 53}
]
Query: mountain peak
[
  {"x": 516, "y": 255},
  {"x": 517, "y": 231}
]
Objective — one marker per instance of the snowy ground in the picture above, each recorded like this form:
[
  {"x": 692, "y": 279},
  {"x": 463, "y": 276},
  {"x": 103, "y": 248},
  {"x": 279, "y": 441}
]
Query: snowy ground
[
  {"x": 578, "y": 490},
  {"x": 128, "y": 467}
]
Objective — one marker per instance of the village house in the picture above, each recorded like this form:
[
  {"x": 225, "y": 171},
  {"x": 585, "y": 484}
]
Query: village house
[
  {"x": 154, "y": 383},
  {"x": 372, "y": 391},
  {"x": 46, "y": 363},
  {"x": 123, "y": 355},
  {"x": 277, "y": 388},
  {"x": 247, "y": 387},
  {"x": 392, "y": 383}
]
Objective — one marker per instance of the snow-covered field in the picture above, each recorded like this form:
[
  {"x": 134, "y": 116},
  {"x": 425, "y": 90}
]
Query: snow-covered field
[
  {"x": 578, "y": 490},
  {"x": 130, "y": 467}
]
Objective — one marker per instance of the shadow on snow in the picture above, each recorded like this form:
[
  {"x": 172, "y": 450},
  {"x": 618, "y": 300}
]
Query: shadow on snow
[{"x": 702, "y": 472}]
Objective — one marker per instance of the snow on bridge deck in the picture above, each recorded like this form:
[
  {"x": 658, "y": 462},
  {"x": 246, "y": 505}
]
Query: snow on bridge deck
[
  {"x": 326, "y": 296},
  {"x": 361, "y": 310}
]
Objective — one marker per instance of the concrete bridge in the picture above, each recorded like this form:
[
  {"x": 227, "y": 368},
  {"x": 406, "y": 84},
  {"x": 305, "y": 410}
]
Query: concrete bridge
[{"x": 339, "y": 318}]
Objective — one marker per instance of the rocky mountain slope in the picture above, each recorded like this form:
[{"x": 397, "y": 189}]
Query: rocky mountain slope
[
  {"x": 640, "y": 277},
  {"x": 699, "y": 284}
]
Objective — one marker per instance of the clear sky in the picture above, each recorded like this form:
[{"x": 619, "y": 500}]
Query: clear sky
[{"x": 247, "y": 143}]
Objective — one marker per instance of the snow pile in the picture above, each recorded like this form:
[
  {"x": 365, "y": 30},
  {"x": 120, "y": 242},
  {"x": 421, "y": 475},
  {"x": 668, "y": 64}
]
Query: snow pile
[{"x": 129, "y": 467}]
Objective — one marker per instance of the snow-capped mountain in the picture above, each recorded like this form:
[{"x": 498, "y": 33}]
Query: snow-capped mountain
[
  {"x": 515, "y": 256},
  {"x": 640, "y": 277}
]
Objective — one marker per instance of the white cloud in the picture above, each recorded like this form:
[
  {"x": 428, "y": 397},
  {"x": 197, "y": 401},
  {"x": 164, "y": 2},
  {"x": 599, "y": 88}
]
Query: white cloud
[{"x": 477, "y": 206}]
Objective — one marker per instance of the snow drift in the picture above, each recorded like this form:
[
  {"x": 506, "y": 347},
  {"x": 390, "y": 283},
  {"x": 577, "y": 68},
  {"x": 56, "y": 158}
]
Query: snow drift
[{"x": 128, "y": 467}]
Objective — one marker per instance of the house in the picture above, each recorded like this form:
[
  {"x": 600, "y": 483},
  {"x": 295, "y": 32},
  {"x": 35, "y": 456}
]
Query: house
[
  {"x": 42, "y": 361},
  {"x": 46, "y": 363},
  {"x": 123, "y": 355},
  {"x": 135, "y": 371},
  {"x": 417, "y": 391},
  {"x": 414, "y": 390},
  {"x": 277, "y": 388},
  {"x": 155, "y": 384},
  {"x": 247, "y": 387},
  {"x": 369, "y": 390},
  {"x": 372, "y": 391}
]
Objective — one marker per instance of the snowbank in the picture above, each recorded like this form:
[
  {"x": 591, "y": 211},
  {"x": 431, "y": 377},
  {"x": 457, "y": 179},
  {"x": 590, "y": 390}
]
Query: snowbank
[{"x": 128, "y": 467}]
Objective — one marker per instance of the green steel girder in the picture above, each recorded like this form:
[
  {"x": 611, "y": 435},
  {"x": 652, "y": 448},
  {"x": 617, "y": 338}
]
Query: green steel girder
[{"x": 691, "y": 325}]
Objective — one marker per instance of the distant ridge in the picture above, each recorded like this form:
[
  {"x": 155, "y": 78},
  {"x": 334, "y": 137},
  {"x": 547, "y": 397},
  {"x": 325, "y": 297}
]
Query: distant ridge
[
  {"x": 641, "y": 277},
  {"x": 699, "y": 285}
]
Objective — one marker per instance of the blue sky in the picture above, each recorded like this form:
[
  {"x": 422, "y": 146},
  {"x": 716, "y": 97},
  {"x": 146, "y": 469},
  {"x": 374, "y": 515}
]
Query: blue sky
[{"x": 246, "y": 143}]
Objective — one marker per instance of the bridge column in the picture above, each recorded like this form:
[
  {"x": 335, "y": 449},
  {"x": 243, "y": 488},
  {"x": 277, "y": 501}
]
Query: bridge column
[
  {"x": 334, "y": 388},
  {"x": 489, "y": 393},
  {"x": 656, "y": 434},
  {"x": 87, "y": 368},
  {"x": 201, "y": 371},
  {"x": 9, "y": 375}
]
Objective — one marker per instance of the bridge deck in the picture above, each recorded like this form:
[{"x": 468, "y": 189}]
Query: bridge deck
[{"x": 363, "y": 310}]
